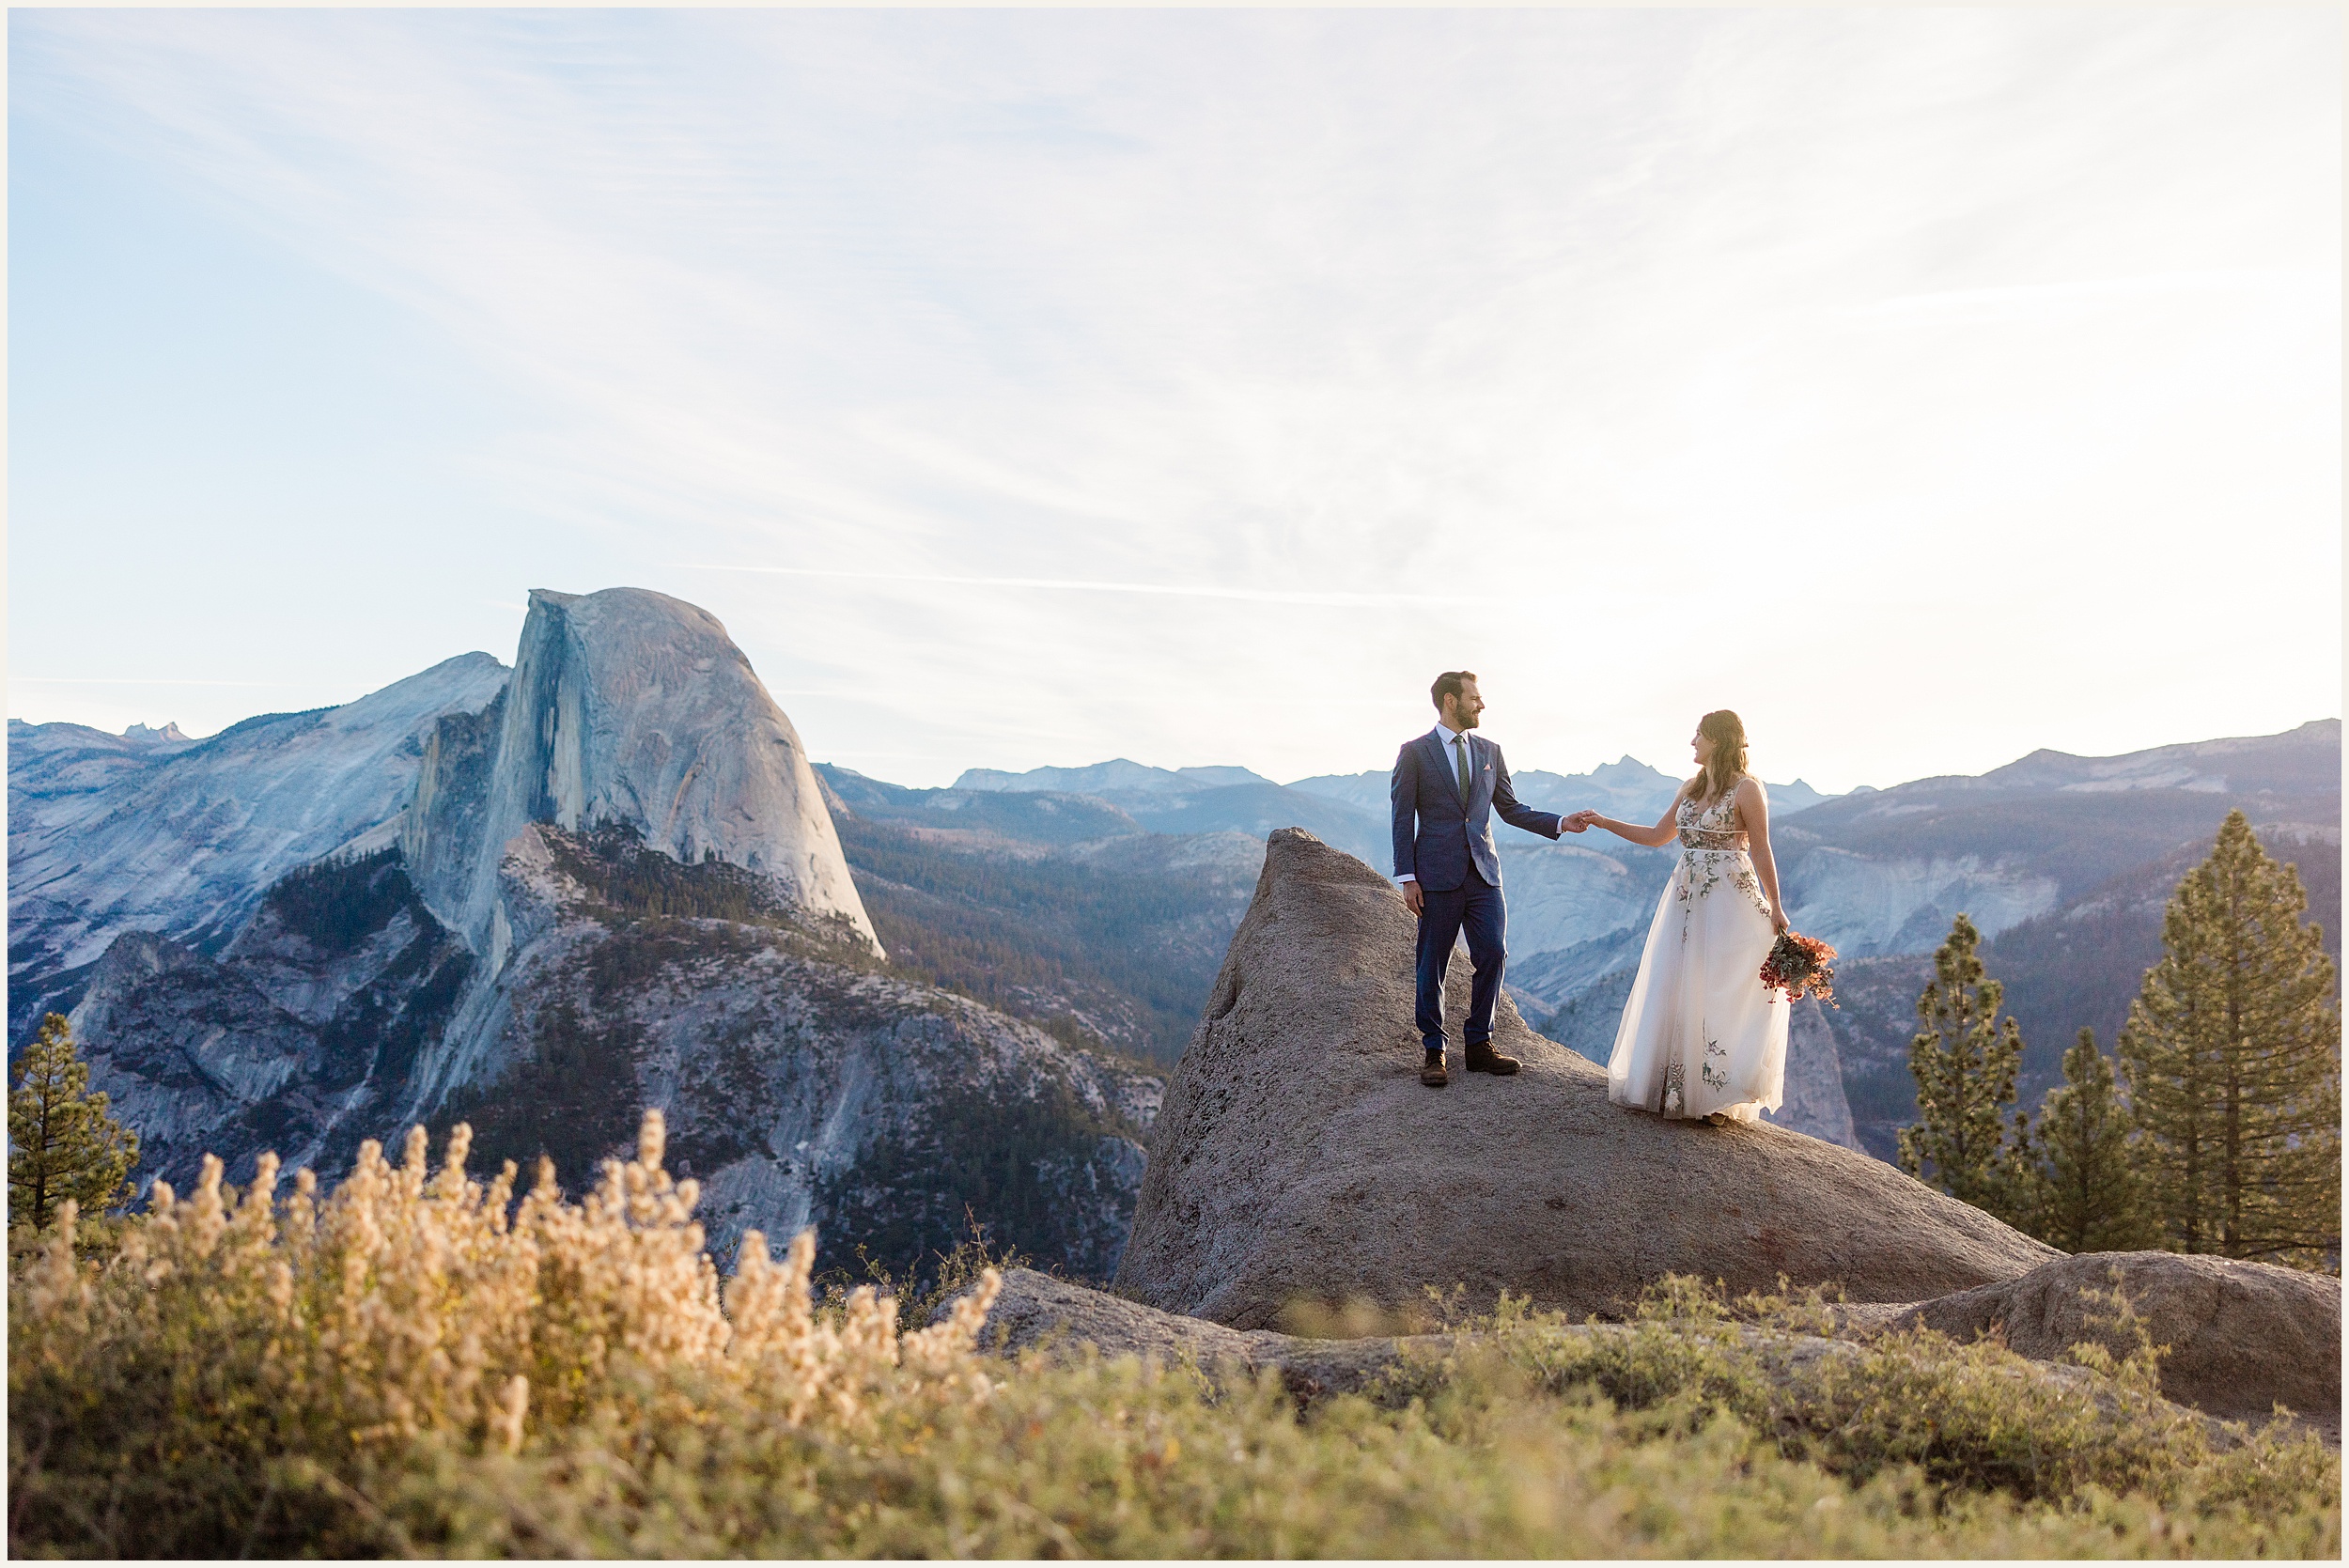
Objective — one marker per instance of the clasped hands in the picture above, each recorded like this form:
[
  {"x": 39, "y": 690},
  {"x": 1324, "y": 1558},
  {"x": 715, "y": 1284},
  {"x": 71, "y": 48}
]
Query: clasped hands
[{"x": 1417, "y": 902}]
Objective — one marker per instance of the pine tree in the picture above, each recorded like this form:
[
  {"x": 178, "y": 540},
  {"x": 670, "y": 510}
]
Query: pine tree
[
  {"x": 1965, "y": 1059},
  {"x": 61, "y": 1142},
  {"x": 2085, "y": 1192},
  {"x": 2233, "y": 1056}
]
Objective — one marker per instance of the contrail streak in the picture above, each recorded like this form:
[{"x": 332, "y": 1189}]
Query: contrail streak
[
  {"x": 1256, "y": 596},
  {"x": 131, "y": 680}
]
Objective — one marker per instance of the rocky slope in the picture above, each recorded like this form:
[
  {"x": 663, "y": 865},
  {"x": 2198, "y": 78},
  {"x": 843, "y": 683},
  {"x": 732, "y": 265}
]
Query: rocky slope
[
  {"x": 109, "y": 834},
  {"x": 1299, "y": 1157},
  {"x": 302, "y": 1036},
  {"x": 539, "y": 905},
  {"x": 803, "y": 1083}
]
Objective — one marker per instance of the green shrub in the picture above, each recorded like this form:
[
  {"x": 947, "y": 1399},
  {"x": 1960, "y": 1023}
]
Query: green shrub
[{"x": 1965, "y": 1417}]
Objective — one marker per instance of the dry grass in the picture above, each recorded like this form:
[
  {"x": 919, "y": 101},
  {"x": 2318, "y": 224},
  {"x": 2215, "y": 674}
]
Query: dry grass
[{"x": 418, "y": 1365}]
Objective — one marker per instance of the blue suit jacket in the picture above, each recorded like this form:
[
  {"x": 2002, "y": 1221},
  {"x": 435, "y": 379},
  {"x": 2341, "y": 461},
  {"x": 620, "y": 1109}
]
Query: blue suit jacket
[{"x": 1451, "y": 834}]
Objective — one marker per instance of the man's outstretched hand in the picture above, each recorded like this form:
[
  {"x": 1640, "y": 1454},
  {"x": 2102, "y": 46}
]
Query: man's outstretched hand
[
  {"x": 1411, "y": 897},
  {"x": 1580, "y": 820}
]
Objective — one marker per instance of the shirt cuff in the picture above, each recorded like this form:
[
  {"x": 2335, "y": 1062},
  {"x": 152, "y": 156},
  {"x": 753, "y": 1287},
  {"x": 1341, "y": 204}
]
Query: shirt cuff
[{"x": 1407, "y": 876}]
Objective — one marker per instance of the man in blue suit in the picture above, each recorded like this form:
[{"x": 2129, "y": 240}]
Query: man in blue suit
[{"x": 1448, "y": 784}]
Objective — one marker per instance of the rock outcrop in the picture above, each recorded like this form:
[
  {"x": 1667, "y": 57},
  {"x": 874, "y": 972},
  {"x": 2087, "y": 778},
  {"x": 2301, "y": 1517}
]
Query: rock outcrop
[
  {"x": 2242, "y": 1336},
  {"x": 1299, "y": 1157},
  {"x": 629, "y": 708},
  {"x": 1037, "y": 1314},
  {"x": 1036, "y": 1311}
]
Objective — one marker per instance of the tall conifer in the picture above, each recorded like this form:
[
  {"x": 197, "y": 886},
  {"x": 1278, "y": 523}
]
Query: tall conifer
[
  {"x": 2232, "y": 1055},
  {"x": 2086, "y": 1193},
  {"x": 1965, "y": 1061},
  {"x": 61, "y": 1142}
]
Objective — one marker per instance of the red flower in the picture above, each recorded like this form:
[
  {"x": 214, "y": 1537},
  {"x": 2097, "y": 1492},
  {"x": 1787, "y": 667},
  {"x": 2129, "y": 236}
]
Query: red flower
[{"x": 1799, "y": 964}]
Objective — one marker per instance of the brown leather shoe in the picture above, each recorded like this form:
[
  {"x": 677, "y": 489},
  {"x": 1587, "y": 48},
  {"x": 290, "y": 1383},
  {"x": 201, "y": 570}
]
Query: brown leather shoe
[
  {"x": 1483, "y": 1059},
  {"x": 1433, "y": 1074}
]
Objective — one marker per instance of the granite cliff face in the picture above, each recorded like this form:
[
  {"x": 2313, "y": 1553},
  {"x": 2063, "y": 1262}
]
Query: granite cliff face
[
  {"x": 541, "y": 901},
  {"x": 627, "y": 707}
]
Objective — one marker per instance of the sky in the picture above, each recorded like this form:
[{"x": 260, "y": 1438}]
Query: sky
[{"x": 1036, "y": 387}]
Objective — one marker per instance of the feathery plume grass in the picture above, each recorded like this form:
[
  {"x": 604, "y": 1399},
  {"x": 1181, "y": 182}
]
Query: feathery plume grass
[
  {"x": 415, "y": 1304},
  {"x": 423, "y": 1363}
]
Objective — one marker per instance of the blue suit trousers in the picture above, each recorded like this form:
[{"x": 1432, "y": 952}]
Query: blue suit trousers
[{"x": 1473, "y": 906}]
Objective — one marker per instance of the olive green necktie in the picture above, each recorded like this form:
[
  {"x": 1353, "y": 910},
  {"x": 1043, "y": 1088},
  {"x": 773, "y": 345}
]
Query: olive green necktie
[{"x": 1459, "y": 751}]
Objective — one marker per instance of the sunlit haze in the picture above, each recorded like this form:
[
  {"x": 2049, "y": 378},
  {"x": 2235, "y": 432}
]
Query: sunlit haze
[{"x": 1040, "y": 387}]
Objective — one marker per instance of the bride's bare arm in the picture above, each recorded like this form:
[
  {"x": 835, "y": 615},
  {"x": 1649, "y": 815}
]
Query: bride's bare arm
[
  {"x": 1754, "y": 815},
  {"x": 1666, "y": 829}
]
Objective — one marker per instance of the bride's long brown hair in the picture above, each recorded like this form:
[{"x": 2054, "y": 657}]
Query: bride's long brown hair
[{"x": 1727, "y": 732}]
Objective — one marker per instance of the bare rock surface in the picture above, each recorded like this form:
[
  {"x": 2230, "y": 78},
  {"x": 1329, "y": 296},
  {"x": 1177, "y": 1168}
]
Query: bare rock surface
[
  {"x": 1036, "y": 1310},
  {"x": 626, "y": 706},
  {"x": 2243, "y": 1336},
  {"x": 1299, "y": 1157}
]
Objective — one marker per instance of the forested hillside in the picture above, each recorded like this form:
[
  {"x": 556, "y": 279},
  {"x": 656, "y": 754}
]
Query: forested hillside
[{"x": 1112, "y": 939}]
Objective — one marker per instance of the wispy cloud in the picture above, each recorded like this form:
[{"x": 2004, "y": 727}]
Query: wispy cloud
[
  {"x": 2156, "y": 291},
  {"x": 1246, "y": 596},
  {"x": 143, "y": 680},
  {"x": 1646, "y": 360}
]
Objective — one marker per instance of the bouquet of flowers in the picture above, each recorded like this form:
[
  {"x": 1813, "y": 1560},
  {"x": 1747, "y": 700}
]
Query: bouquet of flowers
[{"x": 1798, "y": 964}]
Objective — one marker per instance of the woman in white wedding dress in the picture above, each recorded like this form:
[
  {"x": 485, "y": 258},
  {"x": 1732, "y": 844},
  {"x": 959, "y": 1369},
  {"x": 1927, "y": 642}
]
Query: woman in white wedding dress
[{"x": 1701, "y": 1036}]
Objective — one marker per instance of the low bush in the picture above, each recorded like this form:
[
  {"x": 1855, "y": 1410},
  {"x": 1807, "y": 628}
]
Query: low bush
[
  {"x": 1968, "y": 1418},
  {"x": 247, "y": 1374},
  {"x": 420, "y": 1365}
]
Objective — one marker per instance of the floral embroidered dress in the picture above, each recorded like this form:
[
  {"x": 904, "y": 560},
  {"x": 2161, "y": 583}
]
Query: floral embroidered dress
[{"x": 1701, "y": 1033}]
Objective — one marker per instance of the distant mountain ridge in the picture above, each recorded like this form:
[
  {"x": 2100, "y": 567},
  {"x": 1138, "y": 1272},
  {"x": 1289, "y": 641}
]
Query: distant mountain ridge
[
  {"x": 1083, "y": 909},
  {"x": 1627, "y": 789},
  {"x": 1628, "y": 786},
  {"x": 2029, "y": 847},
  {"x": 1114, "y": 776},
  {"x": 111, "y": 834}
]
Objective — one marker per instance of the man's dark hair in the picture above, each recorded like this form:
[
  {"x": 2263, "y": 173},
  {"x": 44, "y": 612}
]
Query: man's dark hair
[{"x": 1449, "y": 681}]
